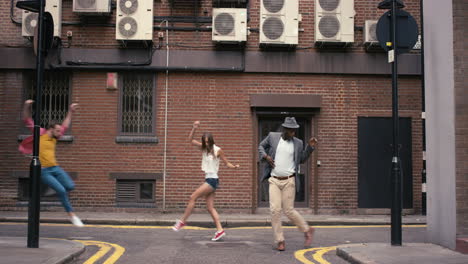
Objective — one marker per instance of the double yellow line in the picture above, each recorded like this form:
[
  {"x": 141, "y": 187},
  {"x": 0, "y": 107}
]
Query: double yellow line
[
  {"x": 104, "y": 248},
  {"x": 317, "y": 256}
]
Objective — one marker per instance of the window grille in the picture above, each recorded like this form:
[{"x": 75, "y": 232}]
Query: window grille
[
  {"x": 55, "y": 96},
  {"x": 137, "y": 103}
]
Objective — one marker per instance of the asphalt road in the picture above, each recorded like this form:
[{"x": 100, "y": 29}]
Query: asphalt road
[{"x": 151, "y": 244}]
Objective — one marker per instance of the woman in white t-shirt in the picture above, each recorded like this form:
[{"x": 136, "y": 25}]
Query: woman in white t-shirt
[{"x": 211, "y": 154}]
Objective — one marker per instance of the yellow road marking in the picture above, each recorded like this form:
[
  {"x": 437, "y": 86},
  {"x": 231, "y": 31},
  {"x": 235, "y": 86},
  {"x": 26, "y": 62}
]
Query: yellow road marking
[
  {"x": 104, "y": 249},
  {"x": 204, "y": 228},
  {"x": 300, "y": 255},
  {"x": 117, "y": 254},
  {"x": 317, "y": 256}
]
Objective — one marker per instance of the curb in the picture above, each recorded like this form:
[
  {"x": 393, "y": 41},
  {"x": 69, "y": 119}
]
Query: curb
[
  {"x": 68, "y": 259},
  {"x": 199, "y": 223}
]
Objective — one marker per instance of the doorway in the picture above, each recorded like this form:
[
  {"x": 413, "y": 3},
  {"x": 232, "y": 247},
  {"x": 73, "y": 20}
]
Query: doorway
[
  {"x": 375, "y": 162},
  {"x": 272, "y": 123}
]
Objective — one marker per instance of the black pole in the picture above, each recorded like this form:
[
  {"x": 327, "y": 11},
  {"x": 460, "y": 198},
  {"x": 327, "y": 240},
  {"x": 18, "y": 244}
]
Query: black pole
[
  {"x": 35, "y": 168},
  {"x": 396, "y": 175},
  {"x": 423, "y": 98}
]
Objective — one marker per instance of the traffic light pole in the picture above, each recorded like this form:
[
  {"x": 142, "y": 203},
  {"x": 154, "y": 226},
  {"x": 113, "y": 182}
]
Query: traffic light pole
[
  {"x": 35, "y": 167},
  {"x": 396, "y": 173}
]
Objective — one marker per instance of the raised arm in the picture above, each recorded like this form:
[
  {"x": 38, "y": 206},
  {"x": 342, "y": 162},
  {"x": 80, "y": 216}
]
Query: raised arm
[
  {"x": 223, "y": 157},
  {"x": 192, "y": 132},
  {"x": 27, "y": 117},
  {"x": 27, "y": 109},
  {"x": 67, "y": 121},
  {"x": 308, "y": 149}
]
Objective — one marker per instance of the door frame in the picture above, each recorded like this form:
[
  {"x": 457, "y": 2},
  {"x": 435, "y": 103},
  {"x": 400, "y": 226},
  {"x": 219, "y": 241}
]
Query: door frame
[{"x": 281, "y": 112}]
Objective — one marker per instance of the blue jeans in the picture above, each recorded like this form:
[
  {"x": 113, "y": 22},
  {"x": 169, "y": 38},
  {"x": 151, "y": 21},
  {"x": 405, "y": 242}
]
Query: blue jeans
[{"x": 57, "y": 179}]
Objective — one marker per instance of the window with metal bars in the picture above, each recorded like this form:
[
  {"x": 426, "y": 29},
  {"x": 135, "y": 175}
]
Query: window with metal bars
[
  {"x": 55, "y": 98},
  {"x": 135, "y": 191},
  {"x": 137, "y": 105}
]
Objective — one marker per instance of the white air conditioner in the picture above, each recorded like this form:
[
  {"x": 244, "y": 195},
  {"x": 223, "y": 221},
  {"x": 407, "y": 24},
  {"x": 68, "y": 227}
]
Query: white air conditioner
[
  {"x": 92, "y": 6},
  {"x": 279, "y": 22},
  {"x": 134, "y": 20},
  {"x": 334, "y": 21},
  {"x": 229, "y": 25},
  {"x": 370, "y": 32},
  {"x": 29, "y": 19}
]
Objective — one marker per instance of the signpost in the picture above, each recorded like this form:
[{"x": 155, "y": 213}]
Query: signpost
[
  {"x": 37, "y": 6},
  {"x": 397, "y": 33}
]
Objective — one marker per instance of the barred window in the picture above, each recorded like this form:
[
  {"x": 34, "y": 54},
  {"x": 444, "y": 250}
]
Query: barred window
[
  {"x": 55, "y": 95},
  {"x": 136, "y": 105}
]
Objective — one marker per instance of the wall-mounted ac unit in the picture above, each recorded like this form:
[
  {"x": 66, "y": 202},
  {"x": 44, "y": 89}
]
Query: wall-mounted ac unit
[
  {"x": 370, "y": 32},
  {"x": 29, "y": 19},
  {"x": 229, "y": 25},
  {"x": 92, "y": 6},
  {"x": 279, "y": 22},
  {"x": 334, "y": 21},
  {"x": 134, "y": 20}
]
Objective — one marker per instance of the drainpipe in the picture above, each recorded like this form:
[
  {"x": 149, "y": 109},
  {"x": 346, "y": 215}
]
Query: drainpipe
[
  {"x": 423, "y": 114},
  {"x": 165, "y": 118}
]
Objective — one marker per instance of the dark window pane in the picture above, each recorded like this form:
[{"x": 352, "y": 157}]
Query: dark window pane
[{"x": 146, "y": 191}]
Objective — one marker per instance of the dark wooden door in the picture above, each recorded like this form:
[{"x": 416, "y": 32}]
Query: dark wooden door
[{"x": 375, "y": 153}]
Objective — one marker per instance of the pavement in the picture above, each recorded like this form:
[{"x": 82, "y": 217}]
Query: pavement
[{"x": 53, "y": 251}]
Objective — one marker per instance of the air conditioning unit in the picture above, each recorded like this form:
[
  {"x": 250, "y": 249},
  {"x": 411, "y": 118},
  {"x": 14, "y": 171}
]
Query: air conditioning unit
[
  {"x": 334, "y": 21},
  {"x": 370, "y": 32},
  {"x": 229, "y": 25},
  {"x": 279, "y": 22},
  {"x": 29, "y": 19},
  {"x": 92, "y": 6},
  {"x": 134, "y": 20}
]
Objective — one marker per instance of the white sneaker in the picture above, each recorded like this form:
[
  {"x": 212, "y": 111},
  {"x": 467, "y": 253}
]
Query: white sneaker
[{"x": 76, "y": 221}]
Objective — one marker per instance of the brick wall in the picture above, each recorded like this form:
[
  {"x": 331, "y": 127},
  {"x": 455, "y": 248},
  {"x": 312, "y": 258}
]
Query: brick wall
[
  {"x": 221, "y": 102},
  {"x": 460, "y": 17}
]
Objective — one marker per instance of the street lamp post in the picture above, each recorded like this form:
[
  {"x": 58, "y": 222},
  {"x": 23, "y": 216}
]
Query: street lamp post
[
  {"x": 35, "y": 167},
  {"x": 397, "y": 32},
  {"x": 396, "y": 173}
]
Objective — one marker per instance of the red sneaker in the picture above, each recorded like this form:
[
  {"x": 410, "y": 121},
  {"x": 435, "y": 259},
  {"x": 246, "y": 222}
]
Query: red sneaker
[
  {"x": 178, "y": 225},
  {"x": 218, "y": 235}
]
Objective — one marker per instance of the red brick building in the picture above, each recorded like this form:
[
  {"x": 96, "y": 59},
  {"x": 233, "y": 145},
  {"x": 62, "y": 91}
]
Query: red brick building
[{"x": 127, "y": 148}]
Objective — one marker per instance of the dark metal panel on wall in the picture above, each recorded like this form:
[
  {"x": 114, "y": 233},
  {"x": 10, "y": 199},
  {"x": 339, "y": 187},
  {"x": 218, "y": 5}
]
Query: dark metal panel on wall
[
  {"x": 286, "y": 100},
  {"x": 329, "y": 63},
  {"x": 214, "y": 60}
]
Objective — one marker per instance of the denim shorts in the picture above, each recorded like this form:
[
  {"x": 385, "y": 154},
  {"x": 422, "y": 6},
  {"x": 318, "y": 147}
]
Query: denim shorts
[{"x": 213, "y": 182}]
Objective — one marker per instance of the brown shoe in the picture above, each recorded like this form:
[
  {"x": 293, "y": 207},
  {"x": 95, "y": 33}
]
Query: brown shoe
[
  {"x": 308, "y": 237},
  {"x": 281, "y": 246}
]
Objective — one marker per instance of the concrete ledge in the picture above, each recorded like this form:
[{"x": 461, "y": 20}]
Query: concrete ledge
[
  {"x": 409, "y": 253},
  {"x": 50, "y": 251}
]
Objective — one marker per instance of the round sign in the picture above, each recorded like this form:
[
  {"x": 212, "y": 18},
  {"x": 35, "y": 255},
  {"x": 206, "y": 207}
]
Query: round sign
[{"x": 407, "y": 31}]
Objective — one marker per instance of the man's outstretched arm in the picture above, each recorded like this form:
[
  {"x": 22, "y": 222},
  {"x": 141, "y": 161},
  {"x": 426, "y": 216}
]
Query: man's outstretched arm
[{"x": 67, "y": 121}]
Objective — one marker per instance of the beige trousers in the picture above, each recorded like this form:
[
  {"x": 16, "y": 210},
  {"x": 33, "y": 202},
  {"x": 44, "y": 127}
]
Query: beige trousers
[{"x": 282, "y": 193}]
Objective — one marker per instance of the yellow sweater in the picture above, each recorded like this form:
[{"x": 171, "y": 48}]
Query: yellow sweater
[{"x": 47, "y": 151}]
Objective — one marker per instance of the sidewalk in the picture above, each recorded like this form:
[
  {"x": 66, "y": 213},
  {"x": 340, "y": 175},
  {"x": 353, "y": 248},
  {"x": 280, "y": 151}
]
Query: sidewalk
[
  {"x": 204, "y": 219},
  {"x": 60, "y": 251},
  {"x": 409, "y": 253},
  {"x": 13, "y": 250}
]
